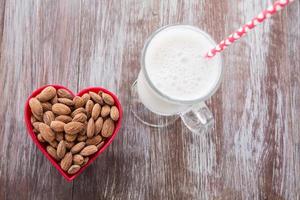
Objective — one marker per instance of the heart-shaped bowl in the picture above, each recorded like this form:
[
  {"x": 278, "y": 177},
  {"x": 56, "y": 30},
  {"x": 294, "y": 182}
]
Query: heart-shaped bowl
[{"x": 42, "y": 147}]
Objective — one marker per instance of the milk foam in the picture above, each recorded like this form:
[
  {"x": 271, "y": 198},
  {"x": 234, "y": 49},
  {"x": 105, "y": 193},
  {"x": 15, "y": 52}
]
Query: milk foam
[{"x": 175, "y": 65}]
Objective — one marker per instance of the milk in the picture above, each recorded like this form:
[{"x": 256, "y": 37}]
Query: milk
[{"x": 175, "y": 75}]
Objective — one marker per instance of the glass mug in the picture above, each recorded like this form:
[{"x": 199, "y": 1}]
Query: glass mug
[{"x": 175, "y": 78}]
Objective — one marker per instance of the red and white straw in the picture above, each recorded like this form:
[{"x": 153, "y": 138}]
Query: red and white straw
[{"x": 277, "y": 6}]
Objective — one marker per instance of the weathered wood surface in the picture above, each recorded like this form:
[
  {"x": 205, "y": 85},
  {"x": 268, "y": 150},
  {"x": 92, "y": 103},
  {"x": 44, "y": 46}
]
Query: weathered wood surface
[{"x": 254, "y": 150}]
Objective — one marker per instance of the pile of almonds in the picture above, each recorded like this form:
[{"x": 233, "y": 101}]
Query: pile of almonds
[{"x": 73, "y": 128}]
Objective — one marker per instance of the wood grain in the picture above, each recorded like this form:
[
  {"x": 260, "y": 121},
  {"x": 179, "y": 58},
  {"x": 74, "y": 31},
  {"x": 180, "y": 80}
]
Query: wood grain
[{"x": 253, "y": 151}]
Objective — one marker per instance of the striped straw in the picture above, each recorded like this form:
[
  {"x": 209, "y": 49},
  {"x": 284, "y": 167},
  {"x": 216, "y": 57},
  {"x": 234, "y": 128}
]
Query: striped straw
[{"x": 277, "y": 6}]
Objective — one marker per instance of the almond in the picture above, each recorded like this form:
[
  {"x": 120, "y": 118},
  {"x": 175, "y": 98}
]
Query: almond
[
  {"x": 108, "y": 99},
  {"x": 33, "y": 119},
  {"x": 59, "y": 136},
  {"x": 114, "y": 113},
  {"x": 66, "y": 162},
  {"x": 52, "y": 152},
  {"x": 80, "y": 117},
  {"x": 63, "y": 118},
  {"x": 78, "y": 102},
  {"x": 70, "y": 138},
  {"x": 53, "y": 143},
  {"x": 90, "y": 130},
  {"x": 46, "y": 132},
  {"x": 81, "y": 138},
  {"x": 66, "y": 101},
  {"x": 105, "y": 111},
  {"x": 40, "y": 138},
  {"x": 54, "y": 100},
  {"x": 88, "y": 150},
  {"x": 96, "y": 111},
  {"x": 83, "y": 132},
  {"x": 35, "y": 131},
  {"x": 85, "y": 161},
  {"x": 77, "y": 111},
  {"x": 74, "y": 169},
  {"x": 73, "y": 128},
  {"x": 95, "y": 140},
  {"x": 96, "y": 98},
  {"x": 89, "y": 107},
  {"x": 78, "y": 147},
  {"x": 61, "y": 149},
  {"x": 46, "y": 94},
  {"x": 61, "y": 109},
  {"x": 57, "y": 126},
  {"x": 100, "y": 145},
  {"x": 36, "y": 108},
  {"x": 46, "y": 106},
  {"x": 62, "y": 93},
  {"x": 39, "y": 118},
  {"x": 36, "y": 125},
  {"x": 78, "y": 159},
  {"x": 85, "y": 98},
  {"x": 48, "y": 117},
  {"x": 98, "y": 125},
  {"x": 108, "y": 128},
  {"x": 69, "y": 145}
]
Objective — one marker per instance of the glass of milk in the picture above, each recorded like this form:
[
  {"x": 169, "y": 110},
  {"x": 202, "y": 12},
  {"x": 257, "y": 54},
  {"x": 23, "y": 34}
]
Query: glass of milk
[{"x": 175, "y": 78}]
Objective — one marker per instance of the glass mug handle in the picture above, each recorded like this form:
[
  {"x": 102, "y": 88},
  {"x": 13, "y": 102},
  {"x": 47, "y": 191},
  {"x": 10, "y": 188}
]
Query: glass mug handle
[{"x": 198, "y": 119}]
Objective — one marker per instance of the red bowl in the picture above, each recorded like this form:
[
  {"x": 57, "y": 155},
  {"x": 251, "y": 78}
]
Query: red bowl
[{"x": 42, "y": 146}]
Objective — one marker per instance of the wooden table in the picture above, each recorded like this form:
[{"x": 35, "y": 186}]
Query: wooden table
[{"x": 253, "y": 151}]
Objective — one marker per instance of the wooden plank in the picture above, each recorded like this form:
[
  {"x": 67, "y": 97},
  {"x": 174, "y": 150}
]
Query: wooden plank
[
  {"x": 103, "y": 48},
  {"x": 40, "y": 46},
  {"x": 2, "y": 13},
  {"x": 257, "y": 129}
]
